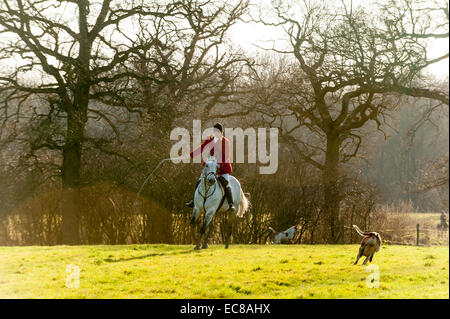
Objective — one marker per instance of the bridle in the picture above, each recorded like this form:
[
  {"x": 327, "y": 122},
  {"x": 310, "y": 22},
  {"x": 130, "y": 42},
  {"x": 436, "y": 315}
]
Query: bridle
[
  {"x": 209, "y": 193},
  {"x": 207, "y": 188}
]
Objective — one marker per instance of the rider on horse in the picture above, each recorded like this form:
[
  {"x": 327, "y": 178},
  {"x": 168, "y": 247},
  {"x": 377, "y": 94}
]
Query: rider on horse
[
  {"x": 219, "y": 147},
  {"x": 444, "y": 222}
]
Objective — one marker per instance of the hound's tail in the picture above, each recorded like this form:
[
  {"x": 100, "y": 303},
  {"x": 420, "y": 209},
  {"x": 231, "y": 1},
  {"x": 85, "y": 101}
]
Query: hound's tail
[
  {"x": 244, "y": 205},
  {"x": 273, "y": 230},
  {"x": 359, "y": 231}
]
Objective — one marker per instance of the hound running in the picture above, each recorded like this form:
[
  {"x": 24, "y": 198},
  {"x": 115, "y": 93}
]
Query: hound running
[
  {"x": 370, "y": 244},
  {"x": 284, "y": 236}
]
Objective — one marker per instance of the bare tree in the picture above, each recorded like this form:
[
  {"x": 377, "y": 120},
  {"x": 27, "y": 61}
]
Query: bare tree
[
  {"x": 350, "y": 66},
  {"x": 434, "y": 176},
  {"x": 71, "y": 53}
]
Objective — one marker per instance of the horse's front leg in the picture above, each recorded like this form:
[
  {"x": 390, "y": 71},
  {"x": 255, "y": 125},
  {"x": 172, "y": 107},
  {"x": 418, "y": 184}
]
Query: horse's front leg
[
  {"x": 229, "y": 221},
  {"x": 194, "y": 226},
  {"x": 198, "y": 241},
  {"x": 208, "y": 233},
  {"x": 195, "y": 214},
  {"x": 208, "y": 218}
]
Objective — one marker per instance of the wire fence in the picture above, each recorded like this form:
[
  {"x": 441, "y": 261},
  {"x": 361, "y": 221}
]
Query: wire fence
[{"x": 418, "y": 236}]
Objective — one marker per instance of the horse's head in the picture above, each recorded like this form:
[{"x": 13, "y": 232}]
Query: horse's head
[{"x": 210, "y": 170}]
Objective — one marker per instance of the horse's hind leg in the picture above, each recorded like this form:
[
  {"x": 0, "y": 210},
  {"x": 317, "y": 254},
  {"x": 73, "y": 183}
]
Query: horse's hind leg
[
  {"x": 229, "y": 227},
  {"x": 208, "y": 233}
]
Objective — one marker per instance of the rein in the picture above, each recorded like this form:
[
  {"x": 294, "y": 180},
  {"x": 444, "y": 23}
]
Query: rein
[{"x": 207, "y": 188}]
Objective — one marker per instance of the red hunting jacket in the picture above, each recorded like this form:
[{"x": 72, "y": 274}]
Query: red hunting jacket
[{"x": 221, "y": 151}]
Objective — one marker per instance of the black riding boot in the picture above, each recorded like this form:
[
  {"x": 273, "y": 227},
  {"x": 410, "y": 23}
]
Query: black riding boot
[
  {"x": 228, "y": 193},
  {"x": 191, "y": 203}
]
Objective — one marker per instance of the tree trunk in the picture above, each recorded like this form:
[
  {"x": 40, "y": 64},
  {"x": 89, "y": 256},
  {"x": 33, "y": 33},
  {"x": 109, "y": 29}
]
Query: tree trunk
[
  {"x": 76, "y": 121},
  {"x": 330, "y": 176}
]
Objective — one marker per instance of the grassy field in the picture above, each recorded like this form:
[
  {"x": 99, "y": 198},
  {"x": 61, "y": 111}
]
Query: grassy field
[{"x": 165, "y": 271}]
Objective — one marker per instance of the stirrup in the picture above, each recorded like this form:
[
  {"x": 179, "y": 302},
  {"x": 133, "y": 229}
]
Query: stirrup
[{"x": 190, "y": 204}]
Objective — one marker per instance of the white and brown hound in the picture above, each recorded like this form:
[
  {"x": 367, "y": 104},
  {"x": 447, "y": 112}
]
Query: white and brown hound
[
  {"x": 370, "y": 244},
  {"x": 284, "y": 236}
]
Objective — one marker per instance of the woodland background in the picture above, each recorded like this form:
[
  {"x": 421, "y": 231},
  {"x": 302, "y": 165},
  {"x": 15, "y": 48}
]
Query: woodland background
[{"x": 90, "y": 90}]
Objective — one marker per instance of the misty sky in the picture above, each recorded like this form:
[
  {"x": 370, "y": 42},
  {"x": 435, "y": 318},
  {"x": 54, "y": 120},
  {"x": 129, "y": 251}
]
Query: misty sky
[{"x": 252, "y": 37}]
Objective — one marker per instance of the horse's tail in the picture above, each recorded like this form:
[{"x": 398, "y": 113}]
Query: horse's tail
[{"x": 244, "y": 205}]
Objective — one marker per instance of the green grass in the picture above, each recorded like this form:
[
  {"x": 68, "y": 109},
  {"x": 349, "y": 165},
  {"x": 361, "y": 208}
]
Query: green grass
[{"x": 169, "y": 271}]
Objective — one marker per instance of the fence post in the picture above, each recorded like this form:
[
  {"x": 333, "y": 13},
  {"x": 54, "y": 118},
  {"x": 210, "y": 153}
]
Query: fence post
[
  {"x": 418, "y": 231},
  {"x": 342, "y": 231}
]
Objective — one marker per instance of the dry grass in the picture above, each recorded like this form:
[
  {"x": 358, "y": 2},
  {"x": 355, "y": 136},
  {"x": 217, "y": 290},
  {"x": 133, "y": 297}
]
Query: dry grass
[{"x": 398, "y": 225}]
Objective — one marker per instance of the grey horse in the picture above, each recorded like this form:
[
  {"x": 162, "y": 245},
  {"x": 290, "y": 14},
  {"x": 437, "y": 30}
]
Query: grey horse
[{"x": 209, "y": 199}]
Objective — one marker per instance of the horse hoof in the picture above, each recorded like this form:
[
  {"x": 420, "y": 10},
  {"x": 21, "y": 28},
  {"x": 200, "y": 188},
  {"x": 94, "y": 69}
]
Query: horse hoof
[
  {"x": 205, "y": 246},
  {"x": 226, "y": 246},
  {"x": 197, "y": 247}
]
